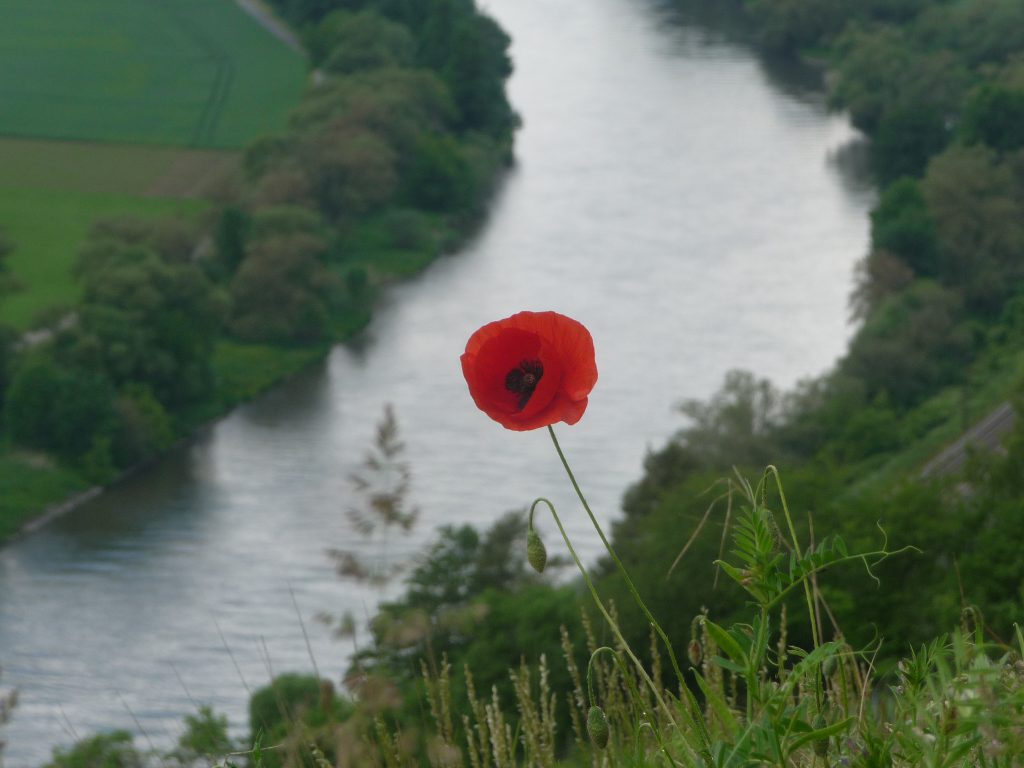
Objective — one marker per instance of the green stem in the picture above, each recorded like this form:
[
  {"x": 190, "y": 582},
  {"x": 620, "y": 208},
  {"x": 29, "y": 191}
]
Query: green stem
[
  {"x": 604, "y": 612},
  {"x": 695, "y": 714},
  {"x": 812, "y": 615},
  {"x": 618, "y": 563}
]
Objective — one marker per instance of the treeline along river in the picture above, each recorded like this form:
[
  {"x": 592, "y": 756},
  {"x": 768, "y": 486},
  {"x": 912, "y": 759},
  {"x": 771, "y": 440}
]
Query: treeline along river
[{"x": 671, "y": 192}]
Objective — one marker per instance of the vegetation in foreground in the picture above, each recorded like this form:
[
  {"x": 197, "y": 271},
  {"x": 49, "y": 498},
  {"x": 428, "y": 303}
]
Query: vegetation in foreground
[
  {"x": 466, "y": 671},
  {"x": 482, "y": 663}
]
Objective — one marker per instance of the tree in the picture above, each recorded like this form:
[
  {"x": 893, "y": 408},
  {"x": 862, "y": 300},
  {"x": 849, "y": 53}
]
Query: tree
[
  {"x": 789, "y": 25},
  {"x": 906, "y": 138},
  {"x": 105, "y": 750},
  {"x": 362, "y": 41},
  {"x": 230, "y": 236},
  {"x": 994, "y": 115},
  {"x": 902, "y": 225},
  {"x": 352, "y": 171},
  {"x": 8, "y": 282},
  {"x": 438, "y": 178},
  {"x": 913, "y": 342},
  {"x": 977, "y": 204},
  {"x": 476, "y": 67},
  {"x": 145, "y": 320},
  {"x": 734, "y": 426},
  {"x": 879, "y": 69},
  {"x": 63, "y": 410},
  {"x": 282, "y": 291}
]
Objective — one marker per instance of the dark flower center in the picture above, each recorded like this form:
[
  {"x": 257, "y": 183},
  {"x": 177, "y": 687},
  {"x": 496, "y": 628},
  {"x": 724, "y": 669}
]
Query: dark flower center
[{"x": 522, "y": 380}]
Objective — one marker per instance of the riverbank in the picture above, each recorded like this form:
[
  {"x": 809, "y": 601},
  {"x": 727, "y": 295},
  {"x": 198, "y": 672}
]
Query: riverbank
[
  {"x": 182, "y": 320},
  {"x": 938, "y": 343},
  {"x": 36, "y": 490}
]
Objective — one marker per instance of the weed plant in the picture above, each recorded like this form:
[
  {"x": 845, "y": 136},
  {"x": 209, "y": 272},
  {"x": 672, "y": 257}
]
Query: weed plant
[{"x": 746, "y": 697}]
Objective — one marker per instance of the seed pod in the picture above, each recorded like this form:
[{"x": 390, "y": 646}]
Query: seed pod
[
  {"x": 597, "y": 727},
  {"x": 820, "y": 745},
  {"x": 695, "y": 652},
  {"x": 536, "y": 552},
  {"x": 828, "y": 666}
]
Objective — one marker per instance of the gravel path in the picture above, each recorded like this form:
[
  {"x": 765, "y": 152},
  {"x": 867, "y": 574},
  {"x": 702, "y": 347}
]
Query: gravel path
[
  {"x": 268, "y": 21},
  {"x": 986, "y": 435}
]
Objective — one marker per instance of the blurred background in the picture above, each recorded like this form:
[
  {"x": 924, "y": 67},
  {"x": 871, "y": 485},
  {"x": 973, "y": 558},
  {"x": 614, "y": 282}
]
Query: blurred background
[{"x": 243, "y": 245}]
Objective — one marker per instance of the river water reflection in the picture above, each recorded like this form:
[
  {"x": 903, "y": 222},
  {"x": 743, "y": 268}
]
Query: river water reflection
[{"x": 669, "y": 194}]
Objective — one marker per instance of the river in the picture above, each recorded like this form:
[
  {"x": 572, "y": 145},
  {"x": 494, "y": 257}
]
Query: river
[{"x": 673, "y": 194}]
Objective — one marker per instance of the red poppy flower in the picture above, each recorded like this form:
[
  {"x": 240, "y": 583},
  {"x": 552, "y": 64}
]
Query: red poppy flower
[{"x": 531, "y": 370}]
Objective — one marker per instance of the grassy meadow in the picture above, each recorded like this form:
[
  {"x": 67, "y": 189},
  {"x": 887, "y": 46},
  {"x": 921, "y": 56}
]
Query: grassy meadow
[
  {"x": 118, "y": 108},
  {"x": 52, "y": 191},
  {"x": 198, "y": 73}
]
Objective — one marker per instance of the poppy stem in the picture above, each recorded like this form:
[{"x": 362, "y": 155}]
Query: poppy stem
[
  {"x": 604, "y": 612},
  {"x": 625, "y": 575}
]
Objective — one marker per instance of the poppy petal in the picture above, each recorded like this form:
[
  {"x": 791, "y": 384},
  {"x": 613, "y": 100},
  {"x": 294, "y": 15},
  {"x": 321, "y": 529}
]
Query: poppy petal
[{"x": 554, "y": 352}]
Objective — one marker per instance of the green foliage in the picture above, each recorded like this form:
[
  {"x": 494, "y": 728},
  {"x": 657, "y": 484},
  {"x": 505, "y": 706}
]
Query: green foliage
[
  {"x": 291, "y": 713},
  {"x": 880, "y": 72},
  {"x": 980, "y": 31},
  {"x": 205, "y": 736},
  {"x": 58, "y": 409},
  {"x": 438, "y": 177},
  {"x": 146, "y": 319},
  {"x": 476, "y": 65},
  {"x": 284, "y": 220},
  {"x": 144, "y": 427},
  {"x": 105, "y": 750},
  {"x": 344, "y": 43},
  {"x": 230, "y": 237},
  {"x": 736, "y": 423},
  {"x": 460, "y": 590},
  {"x": 994, "y": 115},
  {"x": 285, "y": 272},
  {"x": 789, "y": 25},
  {"x": 913, "y": 343},
  {"x": 285, "y": 700},
  {"x": 351, "y": 172},
  {"x": 991, "y": 575},
  {"x": 977, "y": 203},
  {"x": 906, "y": 138},
  {"x": 902, "y": 225}
]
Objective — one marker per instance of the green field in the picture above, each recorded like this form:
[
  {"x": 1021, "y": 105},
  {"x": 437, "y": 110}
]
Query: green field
[
  {"x": 47, "y": 227},
  {"x": 122, "y": 107},
  {"x": 198, "y": 73}
]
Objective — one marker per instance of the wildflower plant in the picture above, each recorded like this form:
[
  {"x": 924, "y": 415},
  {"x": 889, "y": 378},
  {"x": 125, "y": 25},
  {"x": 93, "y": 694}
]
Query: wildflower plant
[
  {"x": 746, "y": 696},
  {"x": 762, "y": 702}
]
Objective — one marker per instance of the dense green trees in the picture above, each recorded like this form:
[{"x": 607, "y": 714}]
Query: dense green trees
[
  {"x": 994, "y": 116},
  {"x": 344, "y": 43},
  {"x": 59, "y": 409},
  {"x": 976, "y": 199},
  {"x": 284, "y": 271},
  {"x": 100, "y": 391}
]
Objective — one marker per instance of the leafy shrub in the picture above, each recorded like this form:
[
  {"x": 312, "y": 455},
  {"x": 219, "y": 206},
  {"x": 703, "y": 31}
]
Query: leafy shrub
[{"x": 105, "y": 750}]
